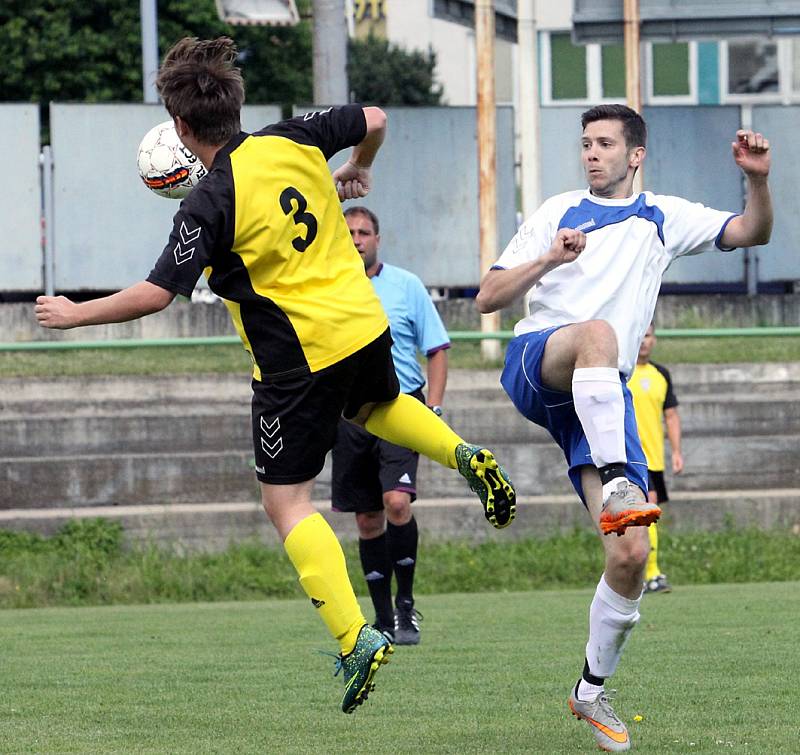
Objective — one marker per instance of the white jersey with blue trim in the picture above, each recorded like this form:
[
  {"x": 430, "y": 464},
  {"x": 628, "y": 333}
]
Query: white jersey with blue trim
[{"x": 629, "y": 244}]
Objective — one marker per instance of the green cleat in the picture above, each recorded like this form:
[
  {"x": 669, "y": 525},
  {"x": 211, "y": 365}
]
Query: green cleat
[
  {"x": 490, "y": 481},
  {"x": 371, "y": 651}
]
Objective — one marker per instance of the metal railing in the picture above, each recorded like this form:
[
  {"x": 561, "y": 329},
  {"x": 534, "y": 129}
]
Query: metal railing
[{"x": 455, "y": 336}]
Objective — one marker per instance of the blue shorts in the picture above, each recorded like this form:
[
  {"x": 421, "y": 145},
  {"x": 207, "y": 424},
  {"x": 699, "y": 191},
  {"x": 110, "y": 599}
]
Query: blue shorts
[{"x": 555, "y": 411}]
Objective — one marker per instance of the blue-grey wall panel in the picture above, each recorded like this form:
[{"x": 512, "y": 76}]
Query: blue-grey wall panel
[
  {"x": 109, "y": 228},
  {"x": 689, "y": 155},
  {"x": 780, "y": 259},
  {"x": 560, "y": 148},
  {"x": 426, "y": 191},
  {"x": 20, "y": 199}
]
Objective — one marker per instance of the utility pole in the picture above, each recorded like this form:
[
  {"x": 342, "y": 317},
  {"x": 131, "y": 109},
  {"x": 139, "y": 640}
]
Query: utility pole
[
  {"x": 487, "y": 157},
  {"x": 633, "y": 85},
  {"x": 330, "y": 53},
  {"x": 149, "y": 18},
  {"x": 528, "y": 98}
]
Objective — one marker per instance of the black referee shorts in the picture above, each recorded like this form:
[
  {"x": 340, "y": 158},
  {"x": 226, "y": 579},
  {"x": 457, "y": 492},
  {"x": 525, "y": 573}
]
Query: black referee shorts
[
  {"x": 295, "y": 418},
  {"x": 365, "y": 467},
  {"x": 655, "y": 481}
]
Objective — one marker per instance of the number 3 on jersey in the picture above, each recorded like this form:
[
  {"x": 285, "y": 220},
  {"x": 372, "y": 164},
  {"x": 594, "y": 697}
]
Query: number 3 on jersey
[{"x": 300, "y": 217}]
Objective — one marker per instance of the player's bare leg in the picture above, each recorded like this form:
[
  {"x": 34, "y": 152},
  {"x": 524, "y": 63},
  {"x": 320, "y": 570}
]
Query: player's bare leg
[{"x": 613, "y": 614}]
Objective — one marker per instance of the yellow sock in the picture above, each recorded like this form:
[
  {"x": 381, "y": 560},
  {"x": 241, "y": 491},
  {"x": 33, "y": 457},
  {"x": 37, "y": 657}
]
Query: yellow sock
[
  {"x": 319, "y": 561},
  {"x": 409, "y": 423},
  {"x": 652, "y": 570}
]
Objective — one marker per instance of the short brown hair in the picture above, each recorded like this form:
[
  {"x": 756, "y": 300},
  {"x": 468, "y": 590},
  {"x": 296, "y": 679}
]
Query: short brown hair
[
  {"x": 365, "y": 212},
  {"x": 634, "y": 128},
  {"x": 199, "y": 82}
]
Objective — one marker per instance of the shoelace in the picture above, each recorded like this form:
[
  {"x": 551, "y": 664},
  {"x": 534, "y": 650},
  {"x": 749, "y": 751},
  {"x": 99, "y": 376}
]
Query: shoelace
[
  {"x": 604, "y": 701},
  {"x": 337, "y": 656}
]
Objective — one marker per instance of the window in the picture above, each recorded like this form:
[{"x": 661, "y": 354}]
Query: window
[
  {"x": 568, "y": 66},
  {"x": 671, "y": 70},
  {"x": 580, "y": 73},
  {"x": 757, "y": 70},
  {"x": 752, "y": 67},
  {"x": 613, "y": 57},
  {"x": 594, "y": 73}
]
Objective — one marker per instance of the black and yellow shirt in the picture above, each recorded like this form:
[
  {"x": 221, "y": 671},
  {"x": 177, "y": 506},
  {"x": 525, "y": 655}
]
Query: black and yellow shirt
[
  {"x": 266, "y": 228},
  {"x": 651, "y": 387}
]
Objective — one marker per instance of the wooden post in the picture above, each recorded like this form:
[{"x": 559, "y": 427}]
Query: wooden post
[
  {"x": 487, "y": 155},
  {"x": 633, "y": 83}
]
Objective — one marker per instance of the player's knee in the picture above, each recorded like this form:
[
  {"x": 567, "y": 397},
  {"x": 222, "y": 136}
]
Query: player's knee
[
  {"x": 397, "y": 506},
  {"x": 634, "y": 548},
  {"x": 601, "y": 335},
  {"x": 371, "y": 524}
]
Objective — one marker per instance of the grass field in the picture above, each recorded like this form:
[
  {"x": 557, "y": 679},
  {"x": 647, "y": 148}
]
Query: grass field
[
  {"x": 232, "y": 358},
  {"x": 709, "y": 669}
]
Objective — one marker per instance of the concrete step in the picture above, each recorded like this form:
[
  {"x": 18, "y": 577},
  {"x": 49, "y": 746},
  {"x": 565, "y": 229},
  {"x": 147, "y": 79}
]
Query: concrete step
[
  {"x": 747, "y": 462},
  {"x": 172, "y": 426},
  {"x": 213, "y": 526}
]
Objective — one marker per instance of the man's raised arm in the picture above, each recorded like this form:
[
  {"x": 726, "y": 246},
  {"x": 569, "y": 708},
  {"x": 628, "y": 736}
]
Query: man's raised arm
[{"x": 754, "y": 226}]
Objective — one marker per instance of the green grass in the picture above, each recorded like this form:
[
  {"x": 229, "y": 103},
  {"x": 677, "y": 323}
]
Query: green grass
[
  {"x": 86, "y": 564},
  {"x": 463, "y": 355},
  {"x": 708, "y": 669}
]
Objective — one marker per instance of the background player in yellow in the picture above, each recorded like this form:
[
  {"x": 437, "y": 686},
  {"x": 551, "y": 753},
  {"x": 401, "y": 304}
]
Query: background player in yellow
[
  {"x": 265, "y": 226},
  {"x": 654, "y": 401}
]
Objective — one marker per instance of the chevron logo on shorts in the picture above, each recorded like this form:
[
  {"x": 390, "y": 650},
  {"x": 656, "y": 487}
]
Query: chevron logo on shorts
[
  {"x": 270, "y": 429},
  {"x": 405, "y": 478}
]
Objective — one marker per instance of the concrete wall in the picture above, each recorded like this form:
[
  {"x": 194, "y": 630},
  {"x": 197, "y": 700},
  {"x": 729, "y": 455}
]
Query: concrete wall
[{"x": 183, "y": 319}]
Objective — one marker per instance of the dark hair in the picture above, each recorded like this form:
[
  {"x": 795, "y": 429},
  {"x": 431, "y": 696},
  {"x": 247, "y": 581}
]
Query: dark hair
[
  {"x": 199, "y": 82},
  {"x": 367, "y": 213},
  {"x": 634, "y": 128}
]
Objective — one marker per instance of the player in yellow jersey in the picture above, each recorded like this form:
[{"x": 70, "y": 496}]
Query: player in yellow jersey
[
  {"x": 654, "y": 402},
  {"x": 265, "y": 227}
]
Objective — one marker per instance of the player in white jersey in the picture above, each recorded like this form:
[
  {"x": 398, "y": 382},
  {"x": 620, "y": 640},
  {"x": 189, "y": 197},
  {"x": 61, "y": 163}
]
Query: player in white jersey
[{"x": 590, "y": 264}]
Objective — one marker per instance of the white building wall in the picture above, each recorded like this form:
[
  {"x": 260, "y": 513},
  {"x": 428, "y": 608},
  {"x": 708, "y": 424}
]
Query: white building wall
[{"x": 409, "y": 23}]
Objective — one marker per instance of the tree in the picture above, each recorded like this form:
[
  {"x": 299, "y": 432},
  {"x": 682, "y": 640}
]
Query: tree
[
  {"x": 90, "y": 50},
  {"x": 385, "y": 74}
]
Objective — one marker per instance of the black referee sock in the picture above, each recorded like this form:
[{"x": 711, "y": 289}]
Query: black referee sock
[
  {"x": 401, "y": 543},
  {"x": 377, "y": 568}
]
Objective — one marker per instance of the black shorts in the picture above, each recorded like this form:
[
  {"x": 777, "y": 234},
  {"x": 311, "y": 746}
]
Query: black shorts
[
  {"x": 655, "y": 481},
  {"x": 295, "y": 419},
  {"x": 366, "y": 467}
]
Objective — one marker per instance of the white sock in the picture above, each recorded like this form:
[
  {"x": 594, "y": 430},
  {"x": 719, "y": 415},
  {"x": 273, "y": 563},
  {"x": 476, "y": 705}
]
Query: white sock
[
  {"x": 611, "y": 619},
  {"x": 600, "y": 406},
  {"x": 588, "y": 692}
]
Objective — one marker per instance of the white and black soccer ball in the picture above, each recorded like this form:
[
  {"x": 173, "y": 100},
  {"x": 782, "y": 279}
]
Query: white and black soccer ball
[{"x": 165, "y": 165}]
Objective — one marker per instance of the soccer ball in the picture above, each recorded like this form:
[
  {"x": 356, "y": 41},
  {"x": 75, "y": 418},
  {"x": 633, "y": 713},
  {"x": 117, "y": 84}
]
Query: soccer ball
[{"x": 165, "y": 165}]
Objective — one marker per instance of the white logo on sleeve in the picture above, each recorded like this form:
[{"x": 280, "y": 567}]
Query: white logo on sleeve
[
  {"x": 270, "y": 429},
  {"x": 183, "y": 251},
  {"x": 405, "y": 478}
]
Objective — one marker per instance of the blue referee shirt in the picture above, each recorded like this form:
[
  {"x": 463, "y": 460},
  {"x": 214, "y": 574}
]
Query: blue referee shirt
[{"x": 415, "y": 324}]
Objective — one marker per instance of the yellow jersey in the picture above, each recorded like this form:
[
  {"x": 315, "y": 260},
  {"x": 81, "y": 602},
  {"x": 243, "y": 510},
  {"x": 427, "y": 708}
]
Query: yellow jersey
[
  {"x": 651, "y": 387},
  {"x": 266, "y": 228}
]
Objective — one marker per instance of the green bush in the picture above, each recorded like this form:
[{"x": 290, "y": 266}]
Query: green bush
[{"x": 86, "y": 564}]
